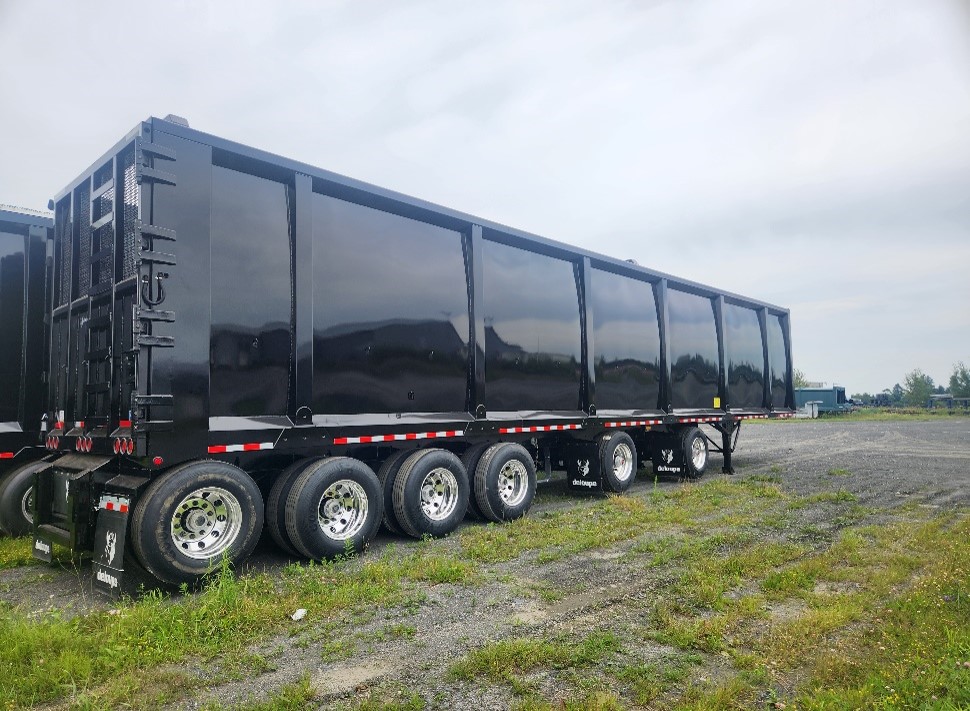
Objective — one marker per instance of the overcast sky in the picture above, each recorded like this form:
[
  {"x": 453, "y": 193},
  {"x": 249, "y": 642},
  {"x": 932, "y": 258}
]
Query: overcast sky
[{"x": 815, "y": 155}]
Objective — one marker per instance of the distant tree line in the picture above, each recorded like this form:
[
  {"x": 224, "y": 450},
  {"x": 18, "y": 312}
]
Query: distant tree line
[{"x": 915, "y": 390}]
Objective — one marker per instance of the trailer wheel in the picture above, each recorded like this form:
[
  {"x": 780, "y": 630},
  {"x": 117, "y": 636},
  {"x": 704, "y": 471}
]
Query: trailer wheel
[
  {"x": 387, "y": 475},
  {"x": 276, "y": 505},
  {"x": 334, "y": 507},
  {"x": 694, "y": 447},
  {"x": 470, "y": 460},
  {"x": 618, "y": 461},
  {"x": 16, "y": 500},
  {"x": 431, "y": 493},
  {"x": 505, "y": 482},
  {"x": 192, "y": 516}
]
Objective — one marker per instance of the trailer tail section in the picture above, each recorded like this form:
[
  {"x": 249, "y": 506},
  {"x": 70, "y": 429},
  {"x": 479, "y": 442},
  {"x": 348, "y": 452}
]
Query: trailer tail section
[
  {"x": 25, "y": 238},
  {"x": 240, "y": 338}
]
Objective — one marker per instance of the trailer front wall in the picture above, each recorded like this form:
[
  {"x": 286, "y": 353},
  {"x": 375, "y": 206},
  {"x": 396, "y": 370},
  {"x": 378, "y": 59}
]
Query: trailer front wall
[
  {"x": 626, "y": 338},
  {"x": 390, "y": 312}
]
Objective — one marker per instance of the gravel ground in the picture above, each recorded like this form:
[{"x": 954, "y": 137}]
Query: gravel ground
[{"x": 886, "y": 465}]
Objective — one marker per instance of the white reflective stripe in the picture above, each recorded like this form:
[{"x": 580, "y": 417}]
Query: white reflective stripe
[
  {"x": 633, "y": 423},
  {"x": 248, "y": 447},
  {"x": 369, "y": 439},
  {"x": 114, "y": 503},
  {"x": 538, "y": 428}
]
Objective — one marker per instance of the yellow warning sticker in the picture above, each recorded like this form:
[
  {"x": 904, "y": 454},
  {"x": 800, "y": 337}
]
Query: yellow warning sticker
[{"x": 717, "y": 402}]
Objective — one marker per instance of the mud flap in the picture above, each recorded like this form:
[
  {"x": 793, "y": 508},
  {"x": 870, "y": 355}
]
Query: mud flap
[
  {"x": 109, "y": 544},
  {"x": 42, "y": 549},
  {"x": 583, "y": 467},
  {"x": 668, "y": 456}
]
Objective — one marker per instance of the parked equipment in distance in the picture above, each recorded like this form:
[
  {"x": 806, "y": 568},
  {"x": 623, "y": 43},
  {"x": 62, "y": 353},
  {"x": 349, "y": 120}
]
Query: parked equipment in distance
[
  {"x": 240, "y": 338},
  {"x": 830, "y": 400}
]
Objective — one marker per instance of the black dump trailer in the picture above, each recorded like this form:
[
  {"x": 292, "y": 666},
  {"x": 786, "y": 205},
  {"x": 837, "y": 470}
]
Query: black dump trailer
[
  {"x": 239, "y": 338},
  {"x": 25, "y": 237}
]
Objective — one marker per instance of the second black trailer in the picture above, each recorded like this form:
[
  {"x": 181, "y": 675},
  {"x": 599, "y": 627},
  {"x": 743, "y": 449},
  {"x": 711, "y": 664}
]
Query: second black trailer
[
  {"x": 24, "y": 308},
  {"x": 240, "y": 338}
]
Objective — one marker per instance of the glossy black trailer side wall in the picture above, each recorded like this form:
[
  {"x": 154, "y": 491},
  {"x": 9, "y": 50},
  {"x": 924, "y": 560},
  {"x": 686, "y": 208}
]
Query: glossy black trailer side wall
[
  {"x": 24, "y": 240},
  {"x": 212, "y": 293}
]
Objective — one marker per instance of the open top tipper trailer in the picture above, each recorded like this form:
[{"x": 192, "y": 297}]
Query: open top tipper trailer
[
  {"x": 24, "y": 242},
  {"x": 238, "y": 337}
]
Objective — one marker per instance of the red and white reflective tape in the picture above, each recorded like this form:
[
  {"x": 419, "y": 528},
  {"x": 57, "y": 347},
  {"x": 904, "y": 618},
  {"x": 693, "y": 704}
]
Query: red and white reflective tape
[
  {"x": 248, "y": 447},
  {"x": 539, "y": 428},
  {"x": 785, "y": 415},
  {"x": 698, "y": 420},
  {"x": 371, "y": 439},
  {"x": 114, "y": 503},
  {"x": 754, "y": 417},
  {"x": 633, "y": 423},
  {"x": 6, "y": 455}
]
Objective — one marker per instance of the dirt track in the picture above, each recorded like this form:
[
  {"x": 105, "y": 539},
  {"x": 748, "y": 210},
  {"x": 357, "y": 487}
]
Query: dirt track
[{"x": 883, "y": 464}]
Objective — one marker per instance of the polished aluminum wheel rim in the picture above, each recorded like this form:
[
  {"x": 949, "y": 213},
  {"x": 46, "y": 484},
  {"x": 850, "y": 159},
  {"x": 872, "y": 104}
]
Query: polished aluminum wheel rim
[
  {"x": 698, "y": 453},
  {"x": 622, "y": 462},
  {"x": 342, "y": 512},
  {"x": 27, "y": 504},
  {"x": 439, "y": 494},
  {"x": 513, "y": 483},
  {"x": 206, "y": 522}
]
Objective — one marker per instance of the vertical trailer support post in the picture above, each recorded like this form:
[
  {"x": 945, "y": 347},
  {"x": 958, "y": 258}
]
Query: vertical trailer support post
[
  {"x": 588, "y": 396},
  {"x": 722, "y": 365},
  {"x": 766, "y": 390},
  {"x": 663, "y": 320},
  {"x": 476, "y": 310},
  {"x": 302, "y": 228}
]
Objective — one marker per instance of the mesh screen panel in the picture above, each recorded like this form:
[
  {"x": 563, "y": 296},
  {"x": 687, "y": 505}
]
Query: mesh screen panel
[
  {"x": 82, "y": 215},
  {"x": 129, "y": 213},
  {"x": 63, "y": 278}
]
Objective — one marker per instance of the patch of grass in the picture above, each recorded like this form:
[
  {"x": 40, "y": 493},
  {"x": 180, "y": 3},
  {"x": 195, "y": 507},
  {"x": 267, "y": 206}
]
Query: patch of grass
[
  {"x": 16, "y": 552},
  {"x": 884, "y": 622},
  {"x": 649, "y": 681},
  {"x": 839, "y": 472},
  {"x": 298, "y": 696},
  {"x": 507, "y": 660},
  {"x": 49, "y": 658},
  {"x": 596, "y": 701},
  {"x": 607, "y": 521},
  {"x": 336, "y": 649},
  {"x": 830, "y": 497},
  {"x": 787, "y": 582}
]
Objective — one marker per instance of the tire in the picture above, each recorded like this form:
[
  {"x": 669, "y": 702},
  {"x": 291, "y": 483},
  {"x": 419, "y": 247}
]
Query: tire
[
  {"x": 470, "y": 460},
  {"x": 505, "y": 482},
  {"x": 192, "y": 516},
  {"x": 334, "y": 508},
  {"x": 431, "y": 493},
  {"x": 276, "y": 505},
  {"x": 16, "y": 494},
  {"x": 387, "y": 474},
  {"x": 618, "y": 461},
  {"x": 696, "y": 454}
]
